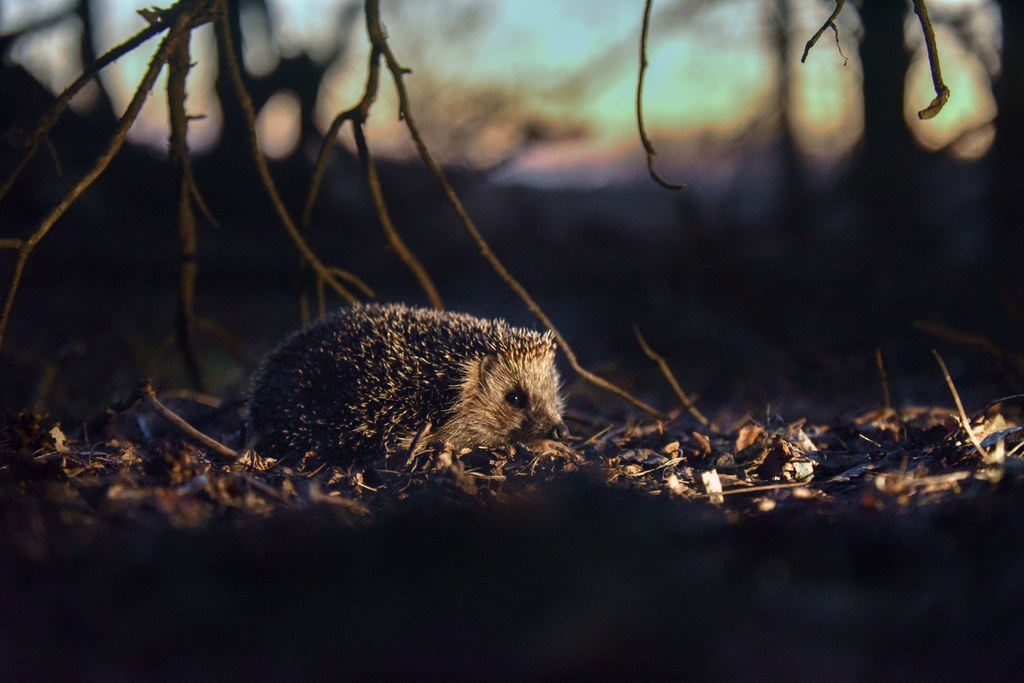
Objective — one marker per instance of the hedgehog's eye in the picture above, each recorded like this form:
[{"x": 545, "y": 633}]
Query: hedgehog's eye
[{"x": 517, "y": 398}]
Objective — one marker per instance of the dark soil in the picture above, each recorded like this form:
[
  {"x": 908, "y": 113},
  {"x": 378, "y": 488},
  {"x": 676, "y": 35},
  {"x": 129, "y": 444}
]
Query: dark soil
[{"x": 880, "y": 547}]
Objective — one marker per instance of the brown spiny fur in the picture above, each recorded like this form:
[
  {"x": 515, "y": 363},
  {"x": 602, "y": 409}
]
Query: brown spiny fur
[{"x": 363, "y": 382}]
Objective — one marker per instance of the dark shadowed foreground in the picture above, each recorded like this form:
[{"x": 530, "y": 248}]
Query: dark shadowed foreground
[{"x": 880, "y": 548}]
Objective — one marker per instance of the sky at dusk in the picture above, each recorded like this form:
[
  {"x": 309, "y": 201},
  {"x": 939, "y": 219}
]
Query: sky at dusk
[{"x": 567, "y": 67}]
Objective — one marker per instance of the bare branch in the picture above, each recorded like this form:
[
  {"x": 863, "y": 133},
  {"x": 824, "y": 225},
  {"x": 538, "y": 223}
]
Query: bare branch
[
  {"x": 184, "y": 22},
  {"x": 394, "y": 239},
  {"x": 883, "y": 376},
  {"x": 829, "y": 23},
  {"x": 178, "y": 68},
  {"x": 50, "y": 119},
  {"x": 356, "y": 114},
  {"x": 645, "y": 140},
  {"x": 965, "y": 422},
  {"x": 323, "y": 273},
  {"x": 941, "y": 91},
  {"x": 378, "y": 39},
  {"x": 356, "y": 282},
  {"x": 670, "y": 376},
  {"x": 146, "y": 392}
]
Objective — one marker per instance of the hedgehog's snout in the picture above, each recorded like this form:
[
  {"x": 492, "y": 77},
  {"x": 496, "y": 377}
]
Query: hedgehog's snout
[{"x": 559, "y": 432}]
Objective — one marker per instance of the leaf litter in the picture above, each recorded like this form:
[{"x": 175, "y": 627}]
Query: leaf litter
[{"x": 140, "y": 469}]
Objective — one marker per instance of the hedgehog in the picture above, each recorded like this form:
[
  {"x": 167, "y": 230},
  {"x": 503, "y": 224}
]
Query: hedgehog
[{"x": 369, "y": 380}]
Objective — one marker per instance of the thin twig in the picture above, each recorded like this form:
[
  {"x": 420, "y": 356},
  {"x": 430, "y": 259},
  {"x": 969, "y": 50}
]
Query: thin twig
[
  {"x": 178, "y": 68},
  {"x": 645, "y": 140},
  {"x": 961, "y": 337},
  {"x": 50, "y": 119},
  {"x": 964, "y": 420},
  {"x": 884, "y": 377},
  {"x": 358, "y": 113},
  {"x": 829, "y": 23},
  {"x": 356, "y": 282},
  {"x": 248, "y": 110},
  {"x": 147, "y": 392},
  {"x": 388, "y": 225},
  {"x": 320, "y": 168},
  {"x": 1013, "y": 375},
  {"x": 759, "y": 489},
  {"x": 670, "y": 376},
  {"x": 941, "y": 91},
  {"x": 184, "y": 23},
  {"x": 377, "y": 37}
]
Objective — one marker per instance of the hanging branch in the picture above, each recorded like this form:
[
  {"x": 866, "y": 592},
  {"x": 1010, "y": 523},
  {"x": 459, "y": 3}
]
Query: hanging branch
[
  {"x": 357, "y": 115},
  {"x": 379, "y": 40},
  {"x": 644, "y": 138},
  {"x": 941, "y": 91},
  {"x": 324, "y": 273},
  {"x": 187, "y": 16},
  {"x": 158, "y": 24},
  {"x": 394, "y": 239},
  {"x": 921, "y": 10},
  {"x": 177, "y": 72},
  {"x": 829, "y": 23}
]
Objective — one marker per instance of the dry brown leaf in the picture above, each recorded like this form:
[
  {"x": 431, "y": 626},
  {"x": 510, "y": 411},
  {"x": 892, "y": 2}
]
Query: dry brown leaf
[{"x": 748, "y": 435}]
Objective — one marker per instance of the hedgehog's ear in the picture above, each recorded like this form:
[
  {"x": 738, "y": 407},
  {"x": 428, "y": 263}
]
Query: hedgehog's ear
[
  {"x": 480, "y": 368},
  {"x": 487, "y": 363}
]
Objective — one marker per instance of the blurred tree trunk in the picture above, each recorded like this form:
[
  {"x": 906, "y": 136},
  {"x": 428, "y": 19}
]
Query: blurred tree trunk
[
  {"x": 885, "y": 177},
  {"x": 235, "y": 132},
  {"x": 1008, "y": 190},
  {"x": 795, "y": 197},
  {"x": 104, "y": 109}
]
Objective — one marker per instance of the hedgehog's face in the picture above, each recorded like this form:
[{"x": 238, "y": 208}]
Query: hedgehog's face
[{"x": 507, "y": 399}]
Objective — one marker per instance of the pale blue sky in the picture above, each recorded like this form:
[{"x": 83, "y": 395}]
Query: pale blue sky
[{"x": 570, "y": 64}]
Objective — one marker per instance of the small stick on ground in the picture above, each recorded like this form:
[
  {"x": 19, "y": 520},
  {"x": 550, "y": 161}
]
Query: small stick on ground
[
  {"x": 1013, "y": 374},
  {"x": 964, "y": 420},
  {"x": 884, "y": 377},
  {"x": 670, "y": 376},
  {"x": 758, "y": 489},
  {"x": 146, "y": 392}
]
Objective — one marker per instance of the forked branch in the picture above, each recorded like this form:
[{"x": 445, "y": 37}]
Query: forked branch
[
  {"x": 379, "y": 40},
  {"x": 323, "y": 272},
  {"x": 921, "y": 10},
  {"x": 186, "y": 17},
  {"x": 357, "y": 115},
  {"x": 830, "y": 23},
  {"x": 157, "y": 24}
]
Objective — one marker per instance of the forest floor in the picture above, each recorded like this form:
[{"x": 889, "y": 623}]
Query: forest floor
[
  {"x": 848, "y": 541},
  {"x": 888, "y": 545}
]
